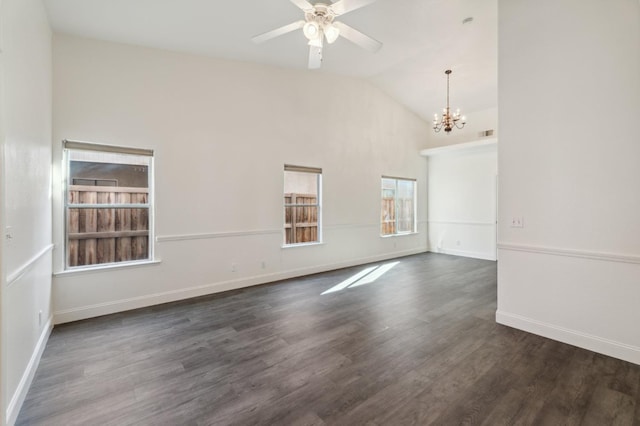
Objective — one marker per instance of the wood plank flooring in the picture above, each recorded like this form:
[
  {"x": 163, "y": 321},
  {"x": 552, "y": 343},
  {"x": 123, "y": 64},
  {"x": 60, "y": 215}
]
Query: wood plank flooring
[{"x": 417, "y": 346}]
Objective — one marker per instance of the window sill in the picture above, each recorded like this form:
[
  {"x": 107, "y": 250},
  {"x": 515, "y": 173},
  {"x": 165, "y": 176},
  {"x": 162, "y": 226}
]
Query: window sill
[
  {"x": 404, "y": 234},
  {"x": 106, "y": 267},
  {"x": 288, "y": 246}
]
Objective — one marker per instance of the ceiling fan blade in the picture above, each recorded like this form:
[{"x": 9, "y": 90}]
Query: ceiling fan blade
[
  {"x": 358, "y": 38},
  {"x": 261, "y": 38},
  {"x": 315, "y": 57},
  {"x": 344, "y": 6},
  {"x": 303, "y": 4}
]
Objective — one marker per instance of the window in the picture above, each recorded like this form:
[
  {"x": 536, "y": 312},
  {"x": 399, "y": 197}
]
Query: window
[
  {"x": 398, "y": 212},
  {"x": 302, "y": 200},
  {"x": 108, "y": 205}
]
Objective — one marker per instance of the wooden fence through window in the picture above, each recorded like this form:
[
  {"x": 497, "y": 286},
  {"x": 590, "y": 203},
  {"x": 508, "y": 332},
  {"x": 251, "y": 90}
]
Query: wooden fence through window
[
  {"x": 403, "y": 217},
  {"x": 301, "y": 222},
  {"x": 388, "y": 216},
  {"x": 107, "y": 235}
]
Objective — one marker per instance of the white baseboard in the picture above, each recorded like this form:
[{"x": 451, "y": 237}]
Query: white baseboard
[
  {"x": 90, "y": 311},
  {"x": 572, "y": 337},
  {"x": 464, "y": 253},
  {"x": 17, "y": 399}
]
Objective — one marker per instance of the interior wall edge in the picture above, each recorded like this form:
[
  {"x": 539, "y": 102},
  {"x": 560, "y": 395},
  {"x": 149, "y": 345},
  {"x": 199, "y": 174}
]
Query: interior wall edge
[
  {"x": 17, "y": 399},
  {"x": 464, "y": 253},
  {"x": 577, "y": 338},
  {"x": 111, "y": 307}
]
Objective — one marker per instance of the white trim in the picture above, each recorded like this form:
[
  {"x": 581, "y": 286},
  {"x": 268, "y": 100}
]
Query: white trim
[
  {"x": 461, "y": 222},
  {"x": 585, "y": 254},
  {"x": 212, "y": 235},
  {"x": 338, "y": 226},
  {"x": 26, "y": 267},
  {"x": 16, "y": 401},
  {"x": 106, "y": 266},
  {"x": 402, "y": 234},
  {"x": 230, "y": 234},
  {"x": 464, "y": 253},
  {"x": 576, "y": 338},
  {"x": 483, "y": 144},
  {"x": 294, "y": 245},
  {"x": 99, "y": 309}
]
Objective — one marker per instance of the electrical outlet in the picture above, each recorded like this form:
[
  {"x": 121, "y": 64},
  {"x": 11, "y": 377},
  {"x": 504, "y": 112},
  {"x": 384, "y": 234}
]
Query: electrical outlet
[
  {"x": 458, "y": 243},
  {"x": 517, "y": 222},
  {"x": 8, "y": 234},
  {"x": 234, "y": 267},
  {"x": 263, "y": 264},
  {"x": 40, "y": 318}
]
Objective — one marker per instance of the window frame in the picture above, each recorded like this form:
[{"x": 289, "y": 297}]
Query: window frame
[
  {"x": 69, "y": 146},
  {"x": 318, "y": 205},
  {"x": 414, "y": 227}
]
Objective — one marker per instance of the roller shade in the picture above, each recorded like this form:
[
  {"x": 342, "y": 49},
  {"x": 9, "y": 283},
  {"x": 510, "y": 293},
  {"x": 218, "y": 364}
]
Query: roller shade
[
  {"x": 87, "y": 146},
  {"x": 290, "y": 168}
]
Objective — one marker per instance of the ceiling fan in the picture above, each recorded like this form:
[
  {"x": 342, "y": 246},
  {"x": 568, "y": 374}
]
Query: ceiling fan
[{"x": 319, "y": 24}]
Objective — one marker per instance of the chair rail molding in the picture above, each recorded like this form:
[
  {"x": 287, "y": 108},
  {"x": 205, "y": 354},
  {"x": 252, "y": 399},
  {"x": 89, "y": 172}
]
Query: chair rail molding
[{"x": 585, "y": 254}]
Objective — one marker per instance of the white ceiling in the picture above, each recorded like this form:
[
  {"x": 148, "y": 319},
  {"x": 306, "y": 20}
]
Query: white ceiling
[{"x": 422, "y": 38}]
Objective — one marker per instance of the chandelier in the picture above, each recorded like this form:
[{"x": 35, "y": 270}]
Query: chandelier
[{"x": 448, "y": 120}]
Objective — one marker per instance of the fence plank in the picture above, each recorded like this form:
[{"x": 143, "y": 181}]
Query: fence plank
[
  {"x": 73, "y": 226},
  {"x": 294, "y": 220},
  {"x": 106, "y": 247},
  {"x": 88, "y": 223},
  {"x": 139, "y": 222},
  {"x": 123, "y": 223}
]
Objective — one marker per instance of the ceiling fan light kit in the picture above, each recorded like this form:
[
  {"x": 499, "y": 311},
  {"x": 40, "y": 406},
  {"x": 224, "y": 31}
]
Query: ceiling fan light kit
[
  {"x": 448, "y": 120},
  {"x": 319, "y": 25},
  {"x": 311, "y": 30},
  {"x": 331, "y": 33}
]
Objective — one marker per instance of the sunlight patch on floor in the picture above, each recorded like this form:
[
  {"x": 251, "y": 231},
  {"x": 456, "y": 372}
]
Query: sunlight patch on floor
[{"x": 366, "y": 276}]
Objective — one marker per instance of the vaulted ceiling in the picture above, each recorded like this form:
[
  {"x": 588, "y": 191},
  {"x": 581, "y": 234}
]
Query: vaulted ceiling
[{"x": 422, "y": 38}]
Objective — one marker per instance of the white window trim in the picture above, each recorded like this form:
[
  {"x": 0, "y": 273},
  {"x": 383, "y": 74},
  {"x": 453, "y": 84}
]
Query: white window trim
[
  {"x": 415, "y": 207},
  {"x": 318, "y": 172},
  {"x": 71, "y": 145}
]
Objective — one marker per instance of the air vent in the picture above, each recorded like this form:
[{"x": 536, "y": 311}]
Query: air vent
[{"x": 485, "y": 133}]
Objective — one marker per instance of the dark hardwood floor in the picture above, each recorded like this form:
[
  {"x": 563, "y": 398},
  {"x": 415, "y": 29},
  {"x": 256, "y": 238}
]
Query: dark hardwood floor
[{"x": 417, "y": 346}]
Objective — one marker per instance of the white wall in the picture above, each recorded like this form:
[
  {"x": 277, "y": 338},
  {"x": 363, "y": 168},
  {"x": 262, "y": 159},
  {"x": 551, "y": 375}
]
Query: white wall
[
  {"x": 26, "y": 205},
  {"x": 462, "y": 200},
  {"x": 222, "y": 132},
  {"x": 569, "y": 96}
]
